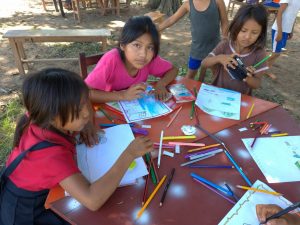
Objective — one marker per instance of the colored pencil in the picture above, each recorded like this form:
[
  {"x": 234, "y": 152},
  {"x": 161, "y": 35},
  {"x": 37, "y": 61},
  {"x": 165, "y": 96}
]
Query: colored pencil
[
  {"x": 200, "y": 153},
  {"x": 250, "y": 111},
  {"x": 279, "y": 135},
  {"x": 254, "y": 140},
  {"x": 206, "y": 154},
  {"x": 154, "y": 169},
  {"x": 262, "y": 61},
  {"x": 196, "y": 160},
  {"x": 211, "y": 184},
  {"x": 167, "y": 187},
  {"x": 186, "y": 144},
  {"x": 179, "y": 137},
  {"x": 258, "y": 190},
  {"x": 212, "y": 166},
  {"x": 218, "y": 193},
  {"x": 106, "y": 114},
  {"x": 151, "y": 168},
  {"x": 233, "y": 194},
  {"x": 145, "y": 189},
  {"x": 282, "y": 212},
  {"x": 173, "y": 118},
  {"x": 160, "y": 148},
  {"x": 150, "y": 198},
  {"x": 202, "y": 148},
  {"x": 238, "y": 168}
]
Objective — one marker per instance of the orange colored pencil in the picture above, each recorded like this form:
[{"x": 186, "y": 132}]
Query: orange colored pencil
[
  {"x": 173, "y": 118},
  {"x": 202, "y": 148}
]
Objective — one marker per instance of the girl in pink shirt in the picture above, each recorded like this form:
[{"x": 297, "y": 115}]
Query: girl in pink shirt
[{"x": 120, "y": 74}]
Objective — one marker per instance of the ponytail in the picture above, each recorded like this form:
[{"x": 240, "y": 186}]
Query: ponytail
[{"x": 22, "y": 124}]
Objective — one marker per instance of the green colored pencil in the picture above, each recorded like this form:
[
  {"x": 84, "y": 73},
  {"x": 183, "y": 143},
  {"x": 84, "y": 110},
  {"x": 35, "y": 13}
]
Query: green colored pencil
[
  {"x": 262, "y": 61},
  {"x": 106, "y": 115},
  {"x": 193, "y": 105}
]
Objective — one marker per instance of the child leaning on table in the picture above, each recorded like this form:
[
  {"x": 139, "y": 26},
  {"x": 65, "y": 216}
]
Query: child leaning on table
[
  {"x": 247, "y": 38},
  {"x": 120, "y": 74},
  {"x": 205, "y": 17},
  {"x": 58, "y": 107}
]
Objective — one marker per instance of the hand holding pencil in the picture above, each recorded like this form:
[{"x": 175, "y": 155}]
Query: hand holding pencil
[{"x": 265, "y": 211}]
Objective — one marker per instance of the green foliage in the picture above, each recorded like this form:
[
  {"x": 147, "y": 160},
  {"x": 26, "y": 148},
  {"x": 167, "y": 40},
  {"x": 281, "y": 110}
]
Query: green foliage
[{"x": 7, "y": 127}]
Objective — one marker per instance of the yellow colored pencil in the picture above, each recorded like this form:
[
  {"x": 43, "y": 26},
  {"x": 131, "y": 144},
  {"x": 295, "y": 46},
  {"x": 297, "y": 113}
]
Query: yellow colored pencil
[
  {"x": 178, "y": 137},
  {"x": 279, "y": 135},
  {"x": 258, "y": 190},
  {"x": 250, "y": 111},
  {"x": 150, "y": 197},
  {"x": 203, "y": 148}
]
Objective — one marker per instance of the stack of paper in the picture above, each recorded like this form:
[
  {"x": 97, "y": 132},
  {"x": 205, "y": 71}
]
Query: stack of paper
[{"x": 96, "y": 161}]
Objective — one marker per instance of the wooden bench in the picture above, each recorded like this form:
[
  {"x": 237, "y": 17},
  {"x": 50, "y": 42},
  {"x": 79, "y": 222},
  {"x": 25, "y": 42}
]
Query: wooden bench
[{"x": 18, "y": 37}]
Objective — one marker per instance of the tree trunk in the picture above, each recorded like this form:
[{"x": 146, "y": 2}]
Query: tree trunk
[{"x": 169, "y": 7}]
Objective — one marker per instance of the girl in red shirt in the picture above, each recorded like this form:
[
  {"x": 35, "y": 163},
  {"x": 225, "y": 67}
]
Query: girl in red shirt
[{"x": 57, "y": 105}]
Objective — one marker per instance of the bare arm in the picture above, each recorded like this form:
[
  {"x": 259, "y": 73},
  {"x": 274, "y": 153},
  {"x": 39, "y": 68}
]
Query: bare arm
[
  {"x": 160, "y": 87},
  {"x": 281, "y": 9},
  {"x": 133, "y": 92},
  {"x": 94, "y": 195},
  {"x": 224, "y": 19},
  {"x": 184, "y": 8}
]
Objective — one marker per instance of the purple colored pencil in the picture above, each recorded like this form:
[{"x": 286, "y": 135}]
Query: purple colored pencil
[
  {"x": 211, "y": 166},
  {"x": 200, "y": 153},
  {"x": 254, "y": 140},
  {"x": 228, "y": 199}
]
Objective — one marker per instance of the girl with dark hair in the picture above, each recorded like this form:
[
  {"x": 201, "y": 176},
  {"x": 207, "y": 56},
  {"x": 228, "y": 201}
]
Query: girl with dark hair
[
  {"x": 57, "y": 107},
  {"x": 120, "y": 74},
  {"x": 247, "y": 38}
]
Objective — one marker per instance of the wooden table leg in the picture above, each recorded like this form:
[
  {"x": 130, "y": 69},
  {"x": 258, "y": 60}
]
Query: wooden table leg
[
  {"x": 104, "y": 43},
  {"x": 55, "y": 5},
  {"x": 22, "y": 54},
  {"x": 17, "y": 56},
  {"x": 61, "y": 8}
]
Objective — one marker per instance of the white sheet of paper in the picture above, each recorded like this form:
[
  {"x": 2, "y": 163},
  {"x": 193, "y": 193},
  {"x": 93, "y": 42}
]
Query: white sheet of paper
[
  {"x": 244, "y": 211},
  {"x": 276, "y": 157},
  {"x": 96, "y": 161},
  {"x": 219, "y": 102},
  {"x": 143, "y": 108}
]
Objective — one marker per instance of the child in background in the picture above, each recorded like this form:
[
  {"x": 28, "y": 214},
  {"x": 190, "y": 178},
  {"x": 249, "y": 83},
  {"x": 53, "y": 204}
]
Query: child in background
[
  {"x": 57, "y": 104},
  {"x": 247, "y": 38},
  {"x": 264, "y": 211},
  {"x": 283, "y": 27},
  {"x": 205, "y": 17},
  {"x": 120, "y": 74}
]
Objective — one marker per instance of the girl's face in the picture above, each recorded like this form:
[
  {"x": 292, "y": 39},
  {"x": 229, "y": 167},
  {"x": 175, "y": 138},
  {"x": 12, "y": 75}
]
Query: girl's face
[
  {"x": 139, "y": 52},
  {"x": 248, "y": 34},
  {"x": 77, "y": 124}
]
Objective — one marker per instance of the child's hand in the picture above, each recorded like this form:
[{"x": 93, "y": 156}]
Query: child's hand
[
  {"x": 161, "y": 92},
  {"x": 89, "y": 134},
  {"x": 139, "y": 147},
  {"x": 134, "y": 91},
  {"x": 250, "y": 72},
  {"x": 227, "y": 60},
  {"x": 264, "y": 211}
]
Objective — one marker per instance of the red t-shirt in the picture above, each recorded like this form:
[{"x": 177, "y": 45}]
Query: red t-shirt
[{"x": 45, "y": 168}]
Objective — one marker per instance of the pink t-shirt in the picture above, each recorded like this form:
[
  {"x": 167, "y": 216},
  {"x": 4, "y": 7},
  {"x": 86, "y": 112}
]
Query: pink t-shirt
[{"x": 110, "y": 73}]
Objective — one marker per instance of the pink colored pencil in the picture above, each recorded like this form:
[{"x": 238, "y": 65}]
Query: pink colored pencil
[
  {"x": 173, "y": 118},
  {"x": 187, "y": 144}
]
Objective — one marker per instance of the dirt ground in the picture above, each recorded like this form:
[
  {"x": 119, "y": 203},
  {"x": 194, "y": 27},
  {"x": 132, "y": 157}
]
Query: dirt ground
[{"x": 20, "y": 14}]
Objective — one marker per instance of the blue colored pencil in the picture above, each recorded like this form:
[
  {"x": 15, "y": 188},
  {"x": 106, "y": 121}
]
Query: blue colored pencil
[
  {"x": 218, "y": 187},
  {"x": 211, "y": 166},
  {"x": 233, "y": 194},
  {"x": 113, "y": 124},
  {"x": 238, "y": 168}
]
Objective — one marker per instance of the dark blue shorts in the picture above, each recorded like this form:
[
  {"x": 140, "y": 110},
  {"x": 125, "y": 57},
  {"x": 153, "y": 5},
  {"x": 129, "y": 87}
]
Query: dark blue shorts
[
  {"x": 277, "y": 46},
  {"x": 194, "y": 64},
  {"x": 272, "y": 4}
]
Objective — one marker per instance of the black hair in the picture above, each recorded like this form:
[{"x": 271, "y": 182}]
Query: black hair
[
  {"x": 50, "y": 93},
  {"x": 135, "y": 27},
  {"x": 256, "y": 12}
]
